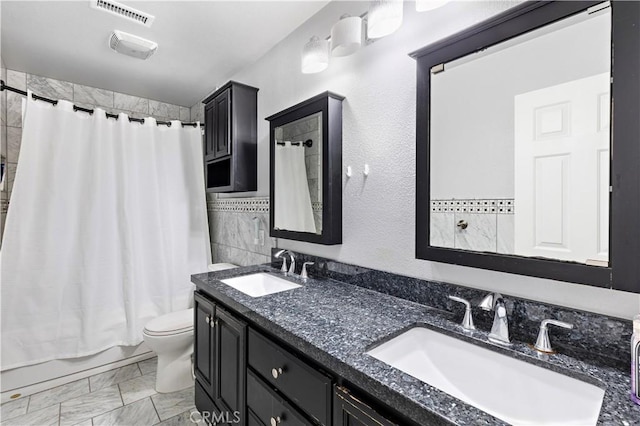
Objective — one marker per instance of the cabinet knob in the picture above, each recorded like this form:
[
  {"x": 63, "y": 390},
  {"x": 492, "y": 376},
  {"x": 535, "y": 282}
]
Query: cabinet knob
[
  {"x": 275, "y": 420},
  {"x": 207, "y": 319},
  {"x": 276, "y": 372},
  {"x": 213, "y": 322}
]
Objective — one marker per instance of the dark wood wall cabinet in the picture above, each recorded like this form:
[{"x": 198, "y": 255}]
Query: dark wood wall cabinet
[
  {"x": 230, "y": 138},
  {"x": 245, "y": 377}
]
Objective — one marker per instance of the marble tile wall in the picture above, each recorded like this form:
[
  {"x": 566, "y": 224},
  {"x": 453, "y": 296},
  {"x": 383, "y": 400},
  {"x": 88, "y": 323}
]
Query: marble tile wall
[
  {"x": 84, "y": 96},
  {"x": 489, "y": 224},
  {"x": 231, "y": 227}
]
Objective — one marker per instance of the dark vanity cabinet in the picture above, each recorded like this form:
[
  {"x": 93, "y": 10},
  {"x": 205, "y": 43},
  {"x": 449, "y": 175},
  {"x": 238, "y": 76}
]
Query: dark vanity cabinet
[
  {"x": 230, "y": 139},
  {"x": 245, "y": 377},
  {"x": 219, "y": 360},
  {"x": 351, "y": 411}
]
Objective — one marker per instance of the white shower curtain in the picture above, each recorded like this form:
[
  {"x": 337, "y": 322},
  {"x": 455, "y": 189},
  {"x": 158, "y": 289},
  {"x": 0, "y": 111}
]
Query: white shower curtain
[
  {"x": 293, "y": 211},
  {"x": 107, "y": 221}
]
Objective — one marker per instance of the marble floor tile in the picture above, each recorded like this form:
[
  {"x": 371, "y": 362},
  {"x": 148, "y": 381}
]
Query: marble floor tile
[
  {"x": 48, "y": 416},
  {"x": 113, "y": 377},
  {"x": 14, "y": 408},
  {"x": 90, "y": 405},
  {"x": 148, "y": 365},
  {"x": 58, "y": 394},
  {"x": 171, "y": 404},
  {"x": 84, "y": 423},
  {"x": 138, "y": 388},
  {"x": 139, "y": 413},
  {"x": 184, "y": 419}
]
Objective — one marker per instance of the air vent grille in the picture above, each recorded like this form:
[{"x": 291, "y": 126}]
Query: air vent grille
[{"x": 123, "y": 11}]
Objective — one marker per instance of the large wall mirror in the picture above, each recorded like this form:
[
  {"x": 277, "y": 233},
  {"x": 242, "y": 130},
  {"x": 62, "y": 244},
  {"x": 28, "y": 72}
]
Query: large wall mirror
[
  {"x": 528, "y": 146},
  {"x": 306, "y": 163}
]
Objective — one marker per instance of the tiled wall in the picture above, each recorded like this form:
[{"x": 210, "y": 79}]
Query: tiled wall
[
  {"x": 490, "y": 224},
  {"x": 232, "y": 230},
  {"x": 231, "y": 225},
  {"x": 85, "y": 96}
]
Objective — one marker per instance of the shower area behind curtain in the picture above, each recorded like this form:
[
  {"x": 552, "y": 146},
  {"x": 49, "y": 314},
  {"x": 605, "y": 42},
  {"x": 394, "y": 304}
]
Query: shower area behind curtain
[{"x": 106, "y": 223}]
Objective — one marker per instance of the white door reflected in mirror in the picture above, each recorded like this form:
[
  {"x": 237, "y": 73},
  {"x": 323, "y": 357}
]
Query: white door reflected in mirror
[{"x": 519, "y": 145}]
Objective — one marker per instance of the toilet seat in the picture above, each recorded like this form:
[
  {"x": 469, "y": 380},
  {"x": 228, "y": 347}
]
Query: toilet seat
[{"x": 170, "y": 324}]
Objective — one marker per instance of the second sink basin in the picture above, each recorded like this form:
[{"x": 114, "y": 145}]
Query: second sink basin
[
  {"x": 260, "y": 284},
  {"x": 515, "y": 391}
]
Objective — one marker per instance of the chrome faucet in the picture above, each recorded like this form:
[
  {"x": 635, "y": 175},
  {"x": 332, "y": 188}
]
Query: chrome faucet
[
  {"x": 543, "y": 344},
  {"x": 292, "y": 268},
  {"x": 500, "y": 328}
]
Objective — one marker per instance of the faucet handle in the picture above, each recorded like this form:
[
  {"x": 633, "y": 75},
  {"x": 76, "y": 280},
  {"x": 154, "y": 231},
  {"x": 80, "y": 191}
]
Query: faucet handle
[
  {"x": 304, "y": 274},
  {"x": 543, "y": 344},
  {"x": 467, "y": 321}
]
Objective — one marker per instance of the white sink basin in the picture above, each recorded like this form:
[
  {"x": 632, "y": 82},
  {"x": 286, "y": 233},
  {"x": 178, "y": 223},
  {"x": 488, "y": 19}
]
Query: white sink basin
[
  {"x": 261, "y": 284},
  {"x": 509, "y": 389}
]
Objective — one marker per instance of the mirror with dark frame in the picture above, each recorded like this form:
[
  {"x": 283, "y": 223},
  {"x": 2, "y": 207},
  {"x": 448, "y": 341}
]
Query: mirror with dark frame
[
  {"x": 305, "y": 173},
  {"x": 515, "y": 129}
]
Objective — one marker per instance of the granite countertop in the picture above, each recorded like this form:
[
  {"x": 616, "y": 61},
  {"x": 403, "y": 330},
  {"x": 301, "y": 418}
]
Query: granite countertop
[{"x": 335, "y": 323}]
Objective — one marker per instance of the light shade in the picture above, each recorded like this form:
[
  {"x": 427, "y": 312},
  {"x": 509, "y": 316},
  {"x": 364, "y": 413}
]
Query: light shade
[
  {"x": 346, "y": 35},
  {"x": 384, "y": 17},
  {"x": 424, "y": 5},
  {"x": 315, "y": 56}
]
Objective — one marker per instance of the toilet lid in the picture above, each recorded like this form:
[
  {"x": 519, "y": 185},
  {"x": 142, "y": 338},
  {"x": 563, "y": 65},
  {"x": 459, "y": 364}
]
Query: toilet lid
[{"x": 171, "y": 323}]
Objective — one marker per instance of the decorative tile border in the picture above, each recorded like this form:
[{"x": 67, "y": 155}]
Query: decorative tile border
[
  {"x": 477, "y": 205},
  {"x": 240, "y": 205}
]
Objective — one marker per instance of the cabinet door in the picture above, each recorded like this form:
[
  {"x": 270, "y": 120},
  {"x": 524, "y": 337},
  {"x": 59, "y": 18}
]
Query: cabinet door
[
  {"x": 231, "y": 365},
  {"x": 208, "y": 130},
  {"x": 222, "y": 124},
  {"x": 204, "y": 312},
  {"x": 351, "y": 411}
]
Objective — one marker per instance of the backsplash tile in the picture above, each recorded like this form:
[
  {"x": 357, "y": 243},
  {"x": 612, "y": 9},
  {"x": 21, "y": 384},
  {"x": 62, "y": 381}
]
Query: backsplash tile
[
  {"x": 232, "y": 232},
  {"x": 595, "y": 338}
]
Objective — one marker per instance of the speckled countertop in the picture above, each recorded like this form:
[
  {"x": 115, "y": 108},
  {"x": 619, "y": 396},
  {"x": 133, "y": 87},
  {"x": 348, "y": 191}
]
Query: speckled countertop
[{"x": 335, "y": 323}]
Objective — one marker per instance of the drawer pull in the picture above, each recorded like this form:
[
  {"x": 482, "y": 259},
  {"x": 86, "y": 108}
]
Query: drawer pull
[
  {"x": 276, "y": 372},
  {"x": 207, "y": 319},
  {"x": 275, "y": 421}
]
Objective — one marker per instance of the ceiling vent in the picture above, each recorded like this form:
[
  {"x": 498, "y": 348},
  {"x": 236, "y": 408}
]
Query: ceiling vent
[
  {"x": 123, "y": 11},
  {"x": 131, "y": 45}
]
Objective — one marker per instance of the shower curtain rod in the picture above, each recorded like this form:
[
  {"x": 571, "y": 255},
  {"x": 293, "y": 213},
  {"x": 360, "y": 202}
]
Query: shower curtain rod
[
  {"x": 308, "y": 143},
  {"x": 4, "y": 87}
]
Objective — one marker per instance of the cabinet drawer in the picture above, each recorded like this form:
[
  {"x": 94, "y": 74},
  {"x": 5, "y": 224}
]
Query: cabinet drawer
[
  {"x": 309, "y": 389},
  {"x": 266, "y": 408}
]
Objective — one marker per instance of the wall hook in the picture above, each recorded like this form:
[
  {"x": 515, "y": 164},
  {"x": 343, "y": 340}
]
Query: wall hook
[
  {"x": 366, "y": 170},
  {"x": 348, "y": 173}
]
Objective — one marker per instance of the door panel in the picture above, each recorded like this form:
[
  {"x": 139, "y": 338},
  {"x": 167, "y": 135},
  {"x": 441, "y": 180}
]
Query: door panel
[
  {"x": 231, "y": 363},
  {"x": 203, "y": 349},
  {"x": 562, "y": 171}
]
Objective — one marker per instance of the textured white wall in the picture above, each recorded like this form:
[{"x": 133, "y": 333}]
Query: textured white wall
[{"x": 379, "y": 129}]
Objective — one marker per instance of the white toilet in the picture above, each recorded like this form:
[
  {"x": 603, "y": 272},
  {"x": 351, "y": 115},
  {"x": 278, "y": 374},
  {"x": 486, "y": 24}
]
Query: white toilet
[{"x": 170, "y": 336}]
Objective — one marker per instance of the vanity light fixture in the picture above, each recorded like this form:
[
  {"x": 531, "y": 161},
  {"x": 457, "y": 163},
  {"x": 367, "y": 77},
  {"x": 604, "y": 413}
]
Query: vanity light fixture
[
  {"x": 425, "y": 5},
  {"x": 346, "y": 35},
  {"x": 384, "y": 17},
  {"x": 315, "y": 56}
]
